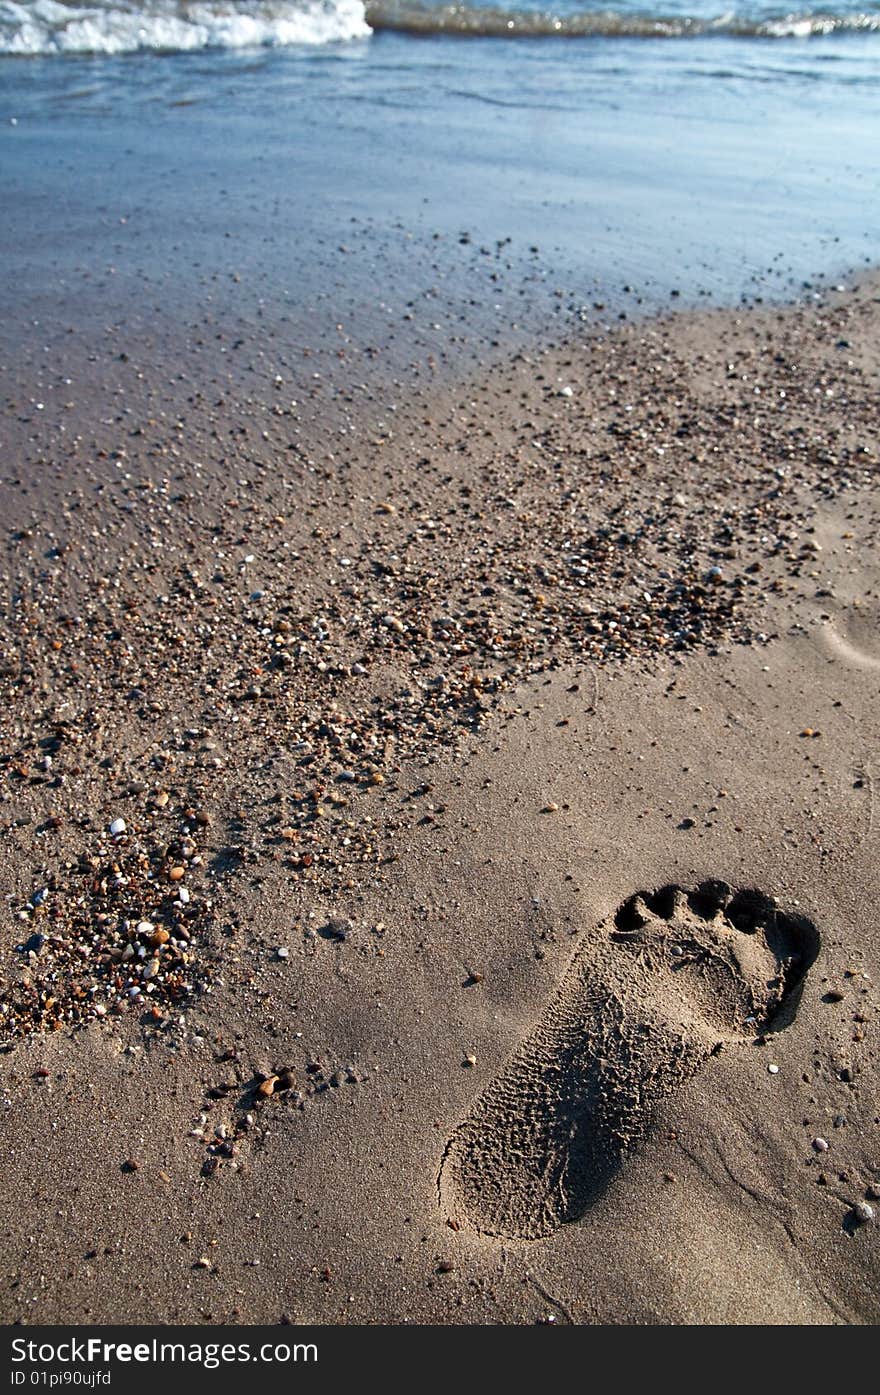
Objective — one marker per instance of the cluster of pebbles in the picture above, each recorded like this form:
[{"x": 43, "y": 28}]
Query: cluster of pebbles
[
  {"x": 233, "y": 1109},
  {"x": 115, "y": 930},
  {"x": 287, "y": 634}
]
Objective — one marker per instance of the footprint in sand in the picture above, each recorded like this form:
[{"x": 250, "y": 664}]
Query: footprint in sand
[
  {"x": 845, "y": 647},
  {"x": 660, "y": 987}
]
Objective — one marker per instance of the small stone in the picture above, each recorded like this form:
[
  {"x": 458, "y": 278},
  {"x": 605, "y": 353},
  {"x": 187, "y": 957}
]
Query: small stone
[
  {"x": 821, "y": 1145},
  {"x": 863, "y": 1213},
  {"x": 202, "y": 1263},
  {"x": 469, "y": 1060},
  {"x": 550, "y": 808},
  {"x": 773, "y": 1070},
  {"x": 283, "y": 952},
  {"x": 176, "y": 873},
  {"x": 117, "y": 827},
  {"x": 445, "y": 1266},
  {"x": 183, "y": 896},
  {"x": 267, "y": 1087}
]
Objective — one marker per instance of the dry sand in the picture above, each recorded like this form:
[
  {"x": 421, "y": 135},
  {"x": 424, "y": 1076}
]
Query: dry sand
[{"x": 413, "y": 693}]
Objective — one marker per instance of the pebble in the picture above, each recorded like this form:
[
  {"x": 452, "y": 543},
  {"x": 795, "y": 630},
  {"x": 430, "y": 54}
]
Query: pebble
[
  {"x": 863, "y": 1212},
  {"x": 821, "y": 1145},
  {"x": 773, "y": 1070},
  {"x": 283, "y": 952},
  {"x": 470, "y": 1060},
  {"x": 117, "y": 827}
]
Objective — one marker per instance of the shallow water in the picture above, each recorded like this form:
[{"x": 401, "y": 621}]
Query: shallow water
[{"x": 352, "y": 175}]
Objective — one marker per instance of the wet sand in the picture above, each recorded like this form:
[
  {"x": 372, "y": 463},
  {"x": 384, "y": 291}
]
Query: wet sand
[{"x": 412, "y": 689}]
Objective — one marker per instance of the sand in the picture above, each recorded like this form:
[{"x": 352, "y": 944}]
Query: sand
[{"x": 513, "y": 741}]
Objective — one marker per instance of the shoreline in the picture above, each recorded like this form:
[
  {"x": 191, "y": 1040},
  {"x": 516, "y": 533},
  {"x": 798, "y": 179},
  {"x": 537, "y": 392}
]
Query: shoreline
[{"x": 617, "y": 631}]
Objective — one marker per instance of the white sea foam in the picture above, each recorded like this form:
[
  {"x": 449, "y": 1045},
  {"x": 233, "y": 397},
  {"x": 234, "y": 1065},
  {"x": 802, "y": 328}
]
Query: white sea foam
[{"x": 128, "y": 26}]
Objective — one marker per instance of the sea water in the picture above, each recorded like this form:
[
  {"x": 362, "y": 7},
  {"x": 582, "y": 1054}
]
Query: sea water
[{"x": 332, "y": 153}]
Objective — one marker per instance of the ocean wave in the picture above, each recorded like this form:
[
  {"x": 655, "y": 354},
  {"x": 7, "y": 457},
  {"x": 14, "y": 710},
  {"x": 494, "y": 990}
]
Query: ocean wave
[
  {"x": 410, "y": 17},
  {"x": 172, "y": 26},
  {"x": 46, "y": 27}
]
